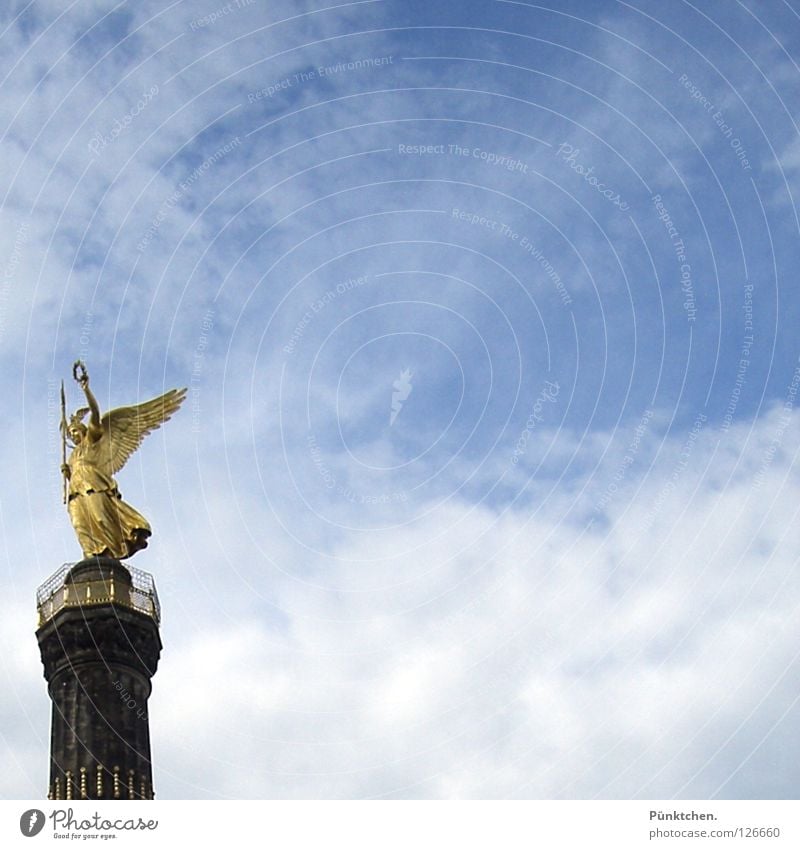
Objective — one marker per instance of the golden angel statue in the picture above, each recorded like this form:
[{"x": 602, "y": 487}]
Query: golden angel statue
[{"x": 104, "y": 523}]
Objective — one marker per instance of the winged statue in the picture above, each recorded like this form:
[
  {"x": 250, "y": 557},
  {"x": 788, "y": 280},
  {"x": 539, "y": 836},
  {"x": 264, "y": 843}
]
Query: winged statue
[{"x": 104, "y": 523}]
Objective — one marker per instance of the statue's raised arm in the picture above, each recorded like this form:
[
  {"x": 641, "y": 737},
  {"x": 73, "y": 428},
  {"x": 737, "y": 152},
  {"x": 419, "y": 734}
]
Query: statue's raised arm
[{"x": 104, "y": 523}]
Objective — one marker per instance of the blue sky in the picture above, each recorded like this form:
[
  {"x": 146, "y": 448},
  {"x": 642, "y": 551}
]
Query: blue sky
[{"x": 557, "y": 558}]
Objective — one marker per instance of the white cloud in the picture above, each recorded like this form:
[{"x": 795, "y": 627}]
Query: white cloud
[{"x": 613, "y": 663}]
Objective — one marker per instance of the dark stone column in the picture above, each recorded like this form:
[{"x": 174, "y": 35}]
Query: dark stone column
[{"x": 99, "y": 649}]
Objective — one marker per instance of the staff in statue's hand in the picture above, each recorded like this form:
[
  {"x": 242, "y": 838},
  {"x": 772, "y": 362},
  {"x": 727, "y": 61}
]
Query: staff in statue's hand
[{"x": 64, "y": 466}]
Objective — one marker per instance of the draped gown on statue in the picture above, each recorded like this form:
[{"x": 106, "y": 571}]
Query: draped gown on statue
[{"x": 103, "y": 522}]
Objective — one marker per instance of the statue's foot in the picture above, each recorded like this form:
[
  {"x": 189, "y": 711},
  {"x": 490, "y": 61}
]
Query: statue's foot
[{"x": 139, "y": 541}]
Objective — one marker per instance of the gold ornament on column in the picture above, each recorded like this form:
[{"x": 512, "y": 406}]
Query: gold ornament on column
[{"x": 104, "y": 523}]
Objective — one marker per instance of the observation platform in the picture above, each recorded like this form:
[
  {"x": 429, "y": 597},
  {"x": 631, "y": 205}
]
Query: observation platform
[{"x": 97, "y": 581}]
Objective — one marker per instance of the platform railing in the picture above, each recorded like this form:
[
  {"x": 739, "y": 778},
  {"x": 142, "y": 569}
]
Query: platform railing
[{"x": 57, "y": 592}]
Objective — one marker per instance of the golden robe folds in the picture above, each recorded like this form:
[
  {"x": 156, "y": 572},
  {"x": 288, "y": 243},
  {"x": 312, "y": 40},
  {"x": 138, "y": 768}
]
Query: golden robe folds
[{"x": 103, "y": 522}]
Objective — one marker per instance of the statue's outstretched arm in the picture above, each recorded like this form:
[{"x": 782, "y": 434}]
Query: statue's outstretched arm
[{"x": 95, "y": 430}]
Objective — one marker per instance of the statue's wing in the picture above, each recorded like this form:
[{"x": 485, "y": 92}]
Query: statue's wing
[{"x": 125, "y": 427}]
